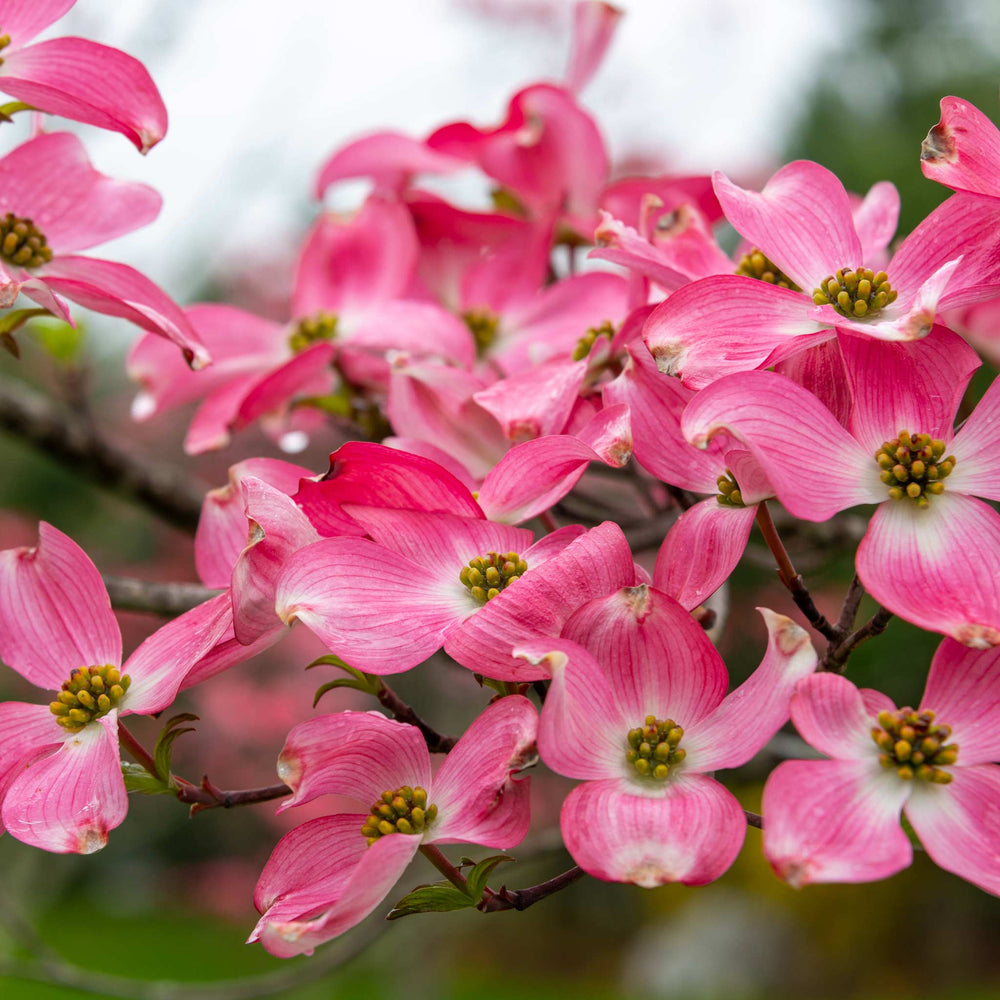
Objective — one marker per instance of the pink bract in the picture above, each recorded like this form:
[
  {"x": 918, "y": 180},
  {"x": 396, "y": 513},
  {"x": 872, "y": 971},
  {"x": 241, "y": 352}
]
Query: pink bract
[
  {"x": 548, "y": 152},
  {"x": 49, "y": 183},
  {"x": 63, "y": 790},
  {"x": 837, "y": 820},
  {"x": 77, "y": 78},
  {"x": 324, "y": 877},
  {"x": 963, "y": 150},
  {"x": 340, "y": 588}
]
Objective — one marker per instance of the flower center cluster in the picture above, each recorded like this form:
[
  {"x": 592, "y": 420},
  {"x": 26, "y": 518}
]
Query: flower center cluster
[
  {"x": 487, "y": 575},
  {"x": 313, "y": 329},
  {"x": 756, "y": 265},
  {"x": 913, "y": 466},
  {"x": 89, "y": 693},
  {"x": 22, "y": 243},
  {"x": 587, "y": 341},
  {"x": 4, "y": 42},
  {"x": 483, "y": 325},
  {"x": 729, "y": 491},
  {"x": 653, "y": 747},
  {"x": 914, "y": 746},
  {"x": 403, "y": 811},
  {"x": 855, "y": 294}
]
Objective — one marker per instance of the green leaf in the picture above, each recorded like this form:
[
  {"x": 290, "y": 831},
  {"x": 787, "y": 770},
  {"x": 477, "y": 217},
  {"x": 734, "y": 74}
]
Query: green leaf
[
  {"x": 173, "y": 728},
  {"x": 138, "y": 779},
  {"x": 911, "y": 833},
  {"x": 477, "y": 878},
  {"x": 330, "y": 661},
  {"x": 338, "y": 406},
  {"x": 440, "y": 897},
  {"x": 61, "y": 340},
  {"x": 358, "y": 680}
]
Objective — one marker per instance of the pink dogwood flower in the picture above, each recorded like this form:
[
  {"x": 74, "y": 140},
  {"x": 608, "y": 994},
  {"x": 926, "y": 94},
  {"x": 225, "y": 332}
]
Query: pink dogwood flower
[
  {"x": 61, "y": 785},
  {"x": 75, "y": 77},
  {"x": 53, "y": 203},
  {"x": 837, "y": 820},
  {"x": 638, "y": 710},
  {"x": 802, "y": 224},
  {"x": 902, "y": 453},
  {"x": 328, "y": 874}
]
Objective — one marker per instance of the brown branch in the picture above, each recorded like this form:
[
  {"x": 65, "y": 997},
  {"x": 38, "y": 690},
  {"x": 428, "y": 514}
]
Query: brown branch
[
  {"x": 60, "y": 433},
  {"x": 136, "y": 749},
  {"x": 520, "y": 899},
  {"x": 208, "y": 796},
  {"x": 849, "y": 611},
  {"x": 444, "y": 866},
  {"x": 436, "y": 743},
  {"x": 167, "y": 599},
  {"x": 792, "y": 580},
  {"x": 836, "y": 655}
]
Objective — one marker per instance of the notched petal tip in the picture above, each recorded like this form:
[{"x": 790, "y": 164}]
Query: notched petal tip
[
  {"x": 197, "y": 359},
  {"x": 91, "y": 840},
  {"x": 787, "y": 636},
  {"x": 637, "y": 600},
  {"x": 977, "y": 636},
  {"x": 649, "y": 874},
  {"x": 147, "y": 140},
  {"x": 290, "y": 772},
  {"x": 669, "y": 358},
  {"x": 553, "y": 661},
  {"x": 794, "y": 871},
  {"x": 939, "y": 146}
]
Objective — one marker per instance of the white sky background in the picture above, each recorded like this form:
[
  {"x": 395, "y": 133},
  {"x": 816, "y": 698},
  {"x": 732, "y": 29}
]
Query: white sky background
[{"x": 260, "y": 93}]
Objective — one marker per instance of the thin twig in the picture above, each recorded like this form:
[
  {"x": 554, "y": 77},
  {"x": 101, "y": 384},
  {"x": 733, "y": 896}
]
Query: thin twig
[
  {"x": 136, "y": 749},
  {"x": 444, "y": 866},
  {"x": 55, "y": 430},
  {"x": 209, "y": 796},
  {"x": 836, "y": 655},
  {"x": 167, "y": 599},
  {"x": 849, "y": 611},
  {"x": 21, "y": 931},
  {"x": 520, "y": 899},
  {"x": 548, "y": 521},
  {"x": 436, "y": 743},
  {"x": 792, "y": 581}
]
